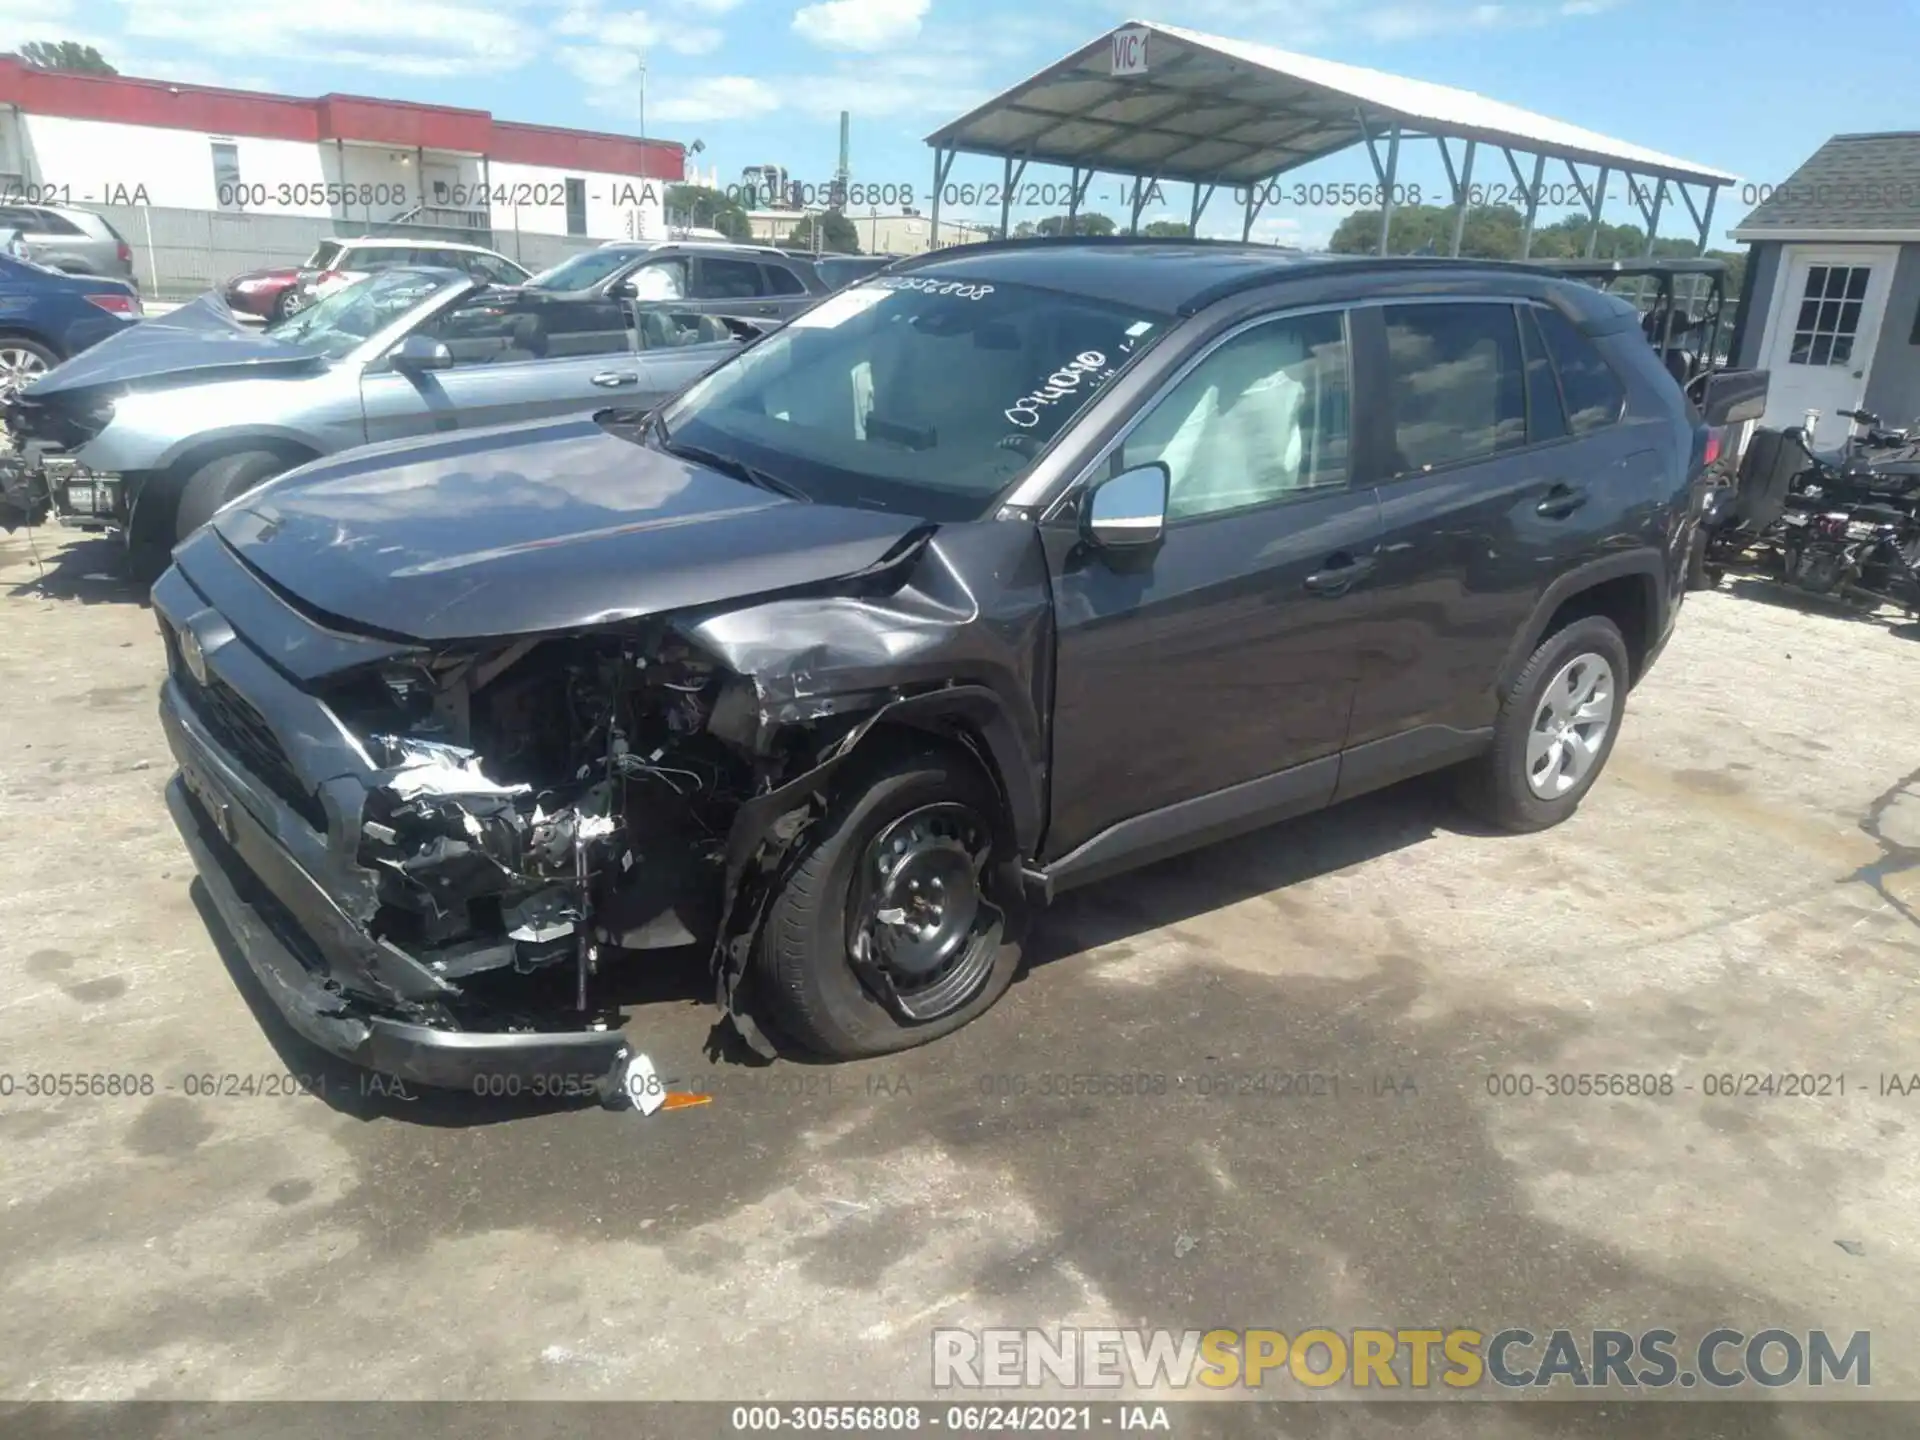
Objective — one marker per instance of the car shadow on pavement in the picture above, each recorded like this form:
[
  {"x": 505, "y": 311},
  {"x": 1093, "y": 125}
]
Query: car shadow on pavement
[
  {"x": 91, "y": 571},
  {"x": 1785, "y": 597},
  {"x": 1103, "y": 915},
  {"x": 347, "y": 1087}
]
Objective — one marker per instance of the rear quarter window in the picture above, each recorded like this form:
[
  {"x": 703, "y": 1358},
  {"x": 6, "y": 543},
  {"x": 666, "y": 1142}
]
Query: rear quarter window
[{"x": 1594, "y": 395}]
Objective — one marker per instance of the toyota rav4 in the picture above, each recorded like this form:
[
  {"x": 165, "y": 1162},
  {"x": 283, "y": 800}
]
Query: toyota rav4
[{"x": 1008, "y": 569}]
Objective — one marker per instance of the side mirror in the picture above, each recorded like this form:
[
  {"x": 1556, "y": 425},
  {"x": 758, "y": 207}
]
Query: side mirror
[
  {"x": 418, "y": 353},
  {"x": 623, "y": 290},
  {"x": 1128, "y": 511},
  {"x": 1731, "y": 396}
]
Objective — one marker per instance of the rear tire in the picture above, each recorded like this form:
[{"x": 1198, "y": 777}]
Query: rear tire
[
  {"x": 825, "y": 901},
  {"x": 219, "y": 481},
  {"x": 1549, "y": 748}
]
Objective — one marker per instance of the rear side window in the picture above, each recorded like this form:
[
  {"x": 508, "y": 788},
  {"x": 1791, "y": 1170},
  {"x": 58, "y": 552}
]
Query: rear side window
[
  {"x": 1458, "y": 384},
  {"x": 782, "y": 281},
  {"x": 48, "y": 223},
  {"x": 1594, "y": 394},
  {"x": 1546, "y": 417},
  {"x": 728, "y": 279}
]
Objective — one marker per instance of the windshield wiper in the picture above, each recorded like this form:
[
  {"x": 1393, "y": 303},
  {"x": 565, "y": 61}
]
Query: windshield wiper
[{"x": 727, "y": 464}]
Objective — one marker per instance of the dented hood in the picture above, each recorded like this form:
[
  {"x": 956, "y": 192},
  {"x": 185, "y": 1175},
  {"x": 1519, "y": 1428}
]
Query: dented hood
[
  {"x": 200, "y": 341},
  {"x": 532, "y": 528}
]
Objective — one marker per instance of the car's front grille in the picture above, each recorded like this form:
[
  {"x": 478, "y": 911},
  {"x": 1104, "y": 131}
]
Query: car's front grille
[{"x": 244, "y": 732}]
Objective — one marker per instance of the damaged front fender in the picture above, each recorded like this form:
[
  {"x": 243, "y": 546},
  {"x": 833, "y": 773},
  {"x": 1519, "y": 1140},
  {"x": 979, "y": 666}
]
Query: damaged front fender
[{"x": 961, "y": 647}]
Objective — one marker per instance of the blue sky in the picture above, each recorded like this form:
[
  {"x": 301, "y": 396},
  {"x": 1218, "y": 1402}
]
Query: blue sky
[{"x": 1750, "y": 87}]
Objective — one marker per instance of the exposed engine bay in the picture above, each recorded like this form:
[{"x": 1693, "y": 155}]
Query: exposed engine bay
[{"x": 550, "y": 804}]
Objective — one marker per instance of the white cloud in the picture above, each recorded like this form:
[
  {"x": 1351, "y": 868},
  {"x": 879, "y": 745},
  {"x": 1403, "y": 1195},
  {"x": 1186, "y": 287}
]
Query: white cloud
[
  {"x": 864, "y": 25},
  {"x": 634, "y": 30},
  {"x": 716, "y": 97},
  {"x": 421, "y": 37}
]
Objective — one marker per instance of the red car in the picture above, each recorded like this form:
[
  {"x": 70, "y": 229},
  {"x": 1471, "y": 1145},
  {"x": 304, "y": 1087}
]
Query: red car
[{"x": 263, "y": 292}]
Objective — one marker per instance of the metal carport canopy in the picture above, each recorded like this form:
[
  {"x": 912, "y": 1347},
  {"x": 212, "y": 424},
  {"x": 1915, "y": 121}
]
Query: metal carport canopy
[{"x": 1164, "y": 103}]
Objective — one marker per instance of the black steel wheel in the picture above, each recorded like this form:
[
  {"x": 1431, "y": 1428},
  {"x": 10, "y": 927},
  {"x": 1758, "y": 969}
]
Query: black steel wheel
[{"x": 887, "y": 928}]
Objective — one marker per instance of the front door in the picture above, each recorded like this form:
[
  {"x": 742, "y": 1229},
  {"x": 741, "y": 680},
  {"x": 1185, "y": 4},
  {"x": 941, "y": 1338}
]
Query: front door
[
  {"x": 1821, "y": 333},
  {"x": 528, "y": 358},
  {"x": 1228, "y": 653}
]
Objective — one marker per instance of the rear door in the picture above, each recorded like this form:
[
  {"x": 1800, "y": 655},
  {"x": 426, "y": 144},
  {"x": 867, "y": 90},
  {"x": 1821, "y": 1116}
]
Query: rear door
[
  {"x": 1226, "y": 654},
  {"x": 1486, "y": 495},
  {"x": 724, "y": 285}
]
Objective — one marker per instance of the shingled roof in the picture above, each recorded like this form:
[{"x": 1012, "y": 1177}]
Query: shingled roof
[{"x": 1851, "y": 187}]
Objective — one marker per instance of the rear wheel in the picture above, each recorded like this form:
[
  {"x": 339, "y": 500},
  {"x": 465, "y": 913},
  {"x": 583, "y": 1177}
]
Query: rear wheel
[
  {"x": 886, "y": 930},
  {"x": 1557, "y": 725}
]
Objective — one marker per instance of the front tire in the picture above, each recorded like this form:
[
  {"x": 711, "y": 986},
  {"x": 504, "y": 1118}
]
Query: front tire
[
  {"x": 219, "y": 481},
  {"x": 22, "y": 361},
  {"x": 897, "y": 888},
  {"x": 1557, "y": 725}
]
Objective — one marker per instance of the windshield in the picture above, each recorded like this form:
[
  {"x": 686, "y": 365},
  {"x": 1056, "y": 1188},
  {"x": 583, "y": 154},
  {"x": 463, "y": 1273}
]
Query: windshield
[
  {"x": 340, "y": 321},
  {"x": 911, "y": 393},
  {"x": 580, "y": 271}
]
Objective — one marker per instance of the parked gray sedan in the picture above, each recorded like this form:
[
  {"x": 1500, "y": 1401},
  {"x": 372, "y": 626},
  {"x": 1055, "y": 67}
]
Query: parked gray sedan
[{"x": 152, "y": 431}]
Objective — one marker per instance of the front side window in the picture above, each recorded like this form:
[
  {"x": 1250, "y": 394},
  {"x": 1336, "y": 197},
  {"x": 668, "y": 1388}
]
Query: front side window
[
  {"x": 1263, "y": 418},
  {"x": 661, "y": 280},
  {"x": 492, "y": 328},
  {"x": 1456, "y": 379},
  {"x": 1594, "y": 393},
  {"x": 921, "y": 394}
]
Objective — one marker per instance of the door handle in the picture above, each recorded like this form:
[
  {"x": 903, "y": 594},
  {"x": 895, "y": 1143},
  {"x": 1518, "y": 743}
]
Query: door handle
[
  {"x": 1562, "y": 500},
  {"x": 1339, "y": 573},
  {"x": 607, "y": 379}
]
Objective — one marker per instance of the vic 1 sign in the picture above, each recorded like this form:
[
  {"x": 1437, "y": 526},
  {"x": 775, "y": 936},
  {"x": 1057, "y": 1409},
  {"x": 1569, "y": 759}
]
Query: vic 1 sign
[{"x": 1129, "y": 52}]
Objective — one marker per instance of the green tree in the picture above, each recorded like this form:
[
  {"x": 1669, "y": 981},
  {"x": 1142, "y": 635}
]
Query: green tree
[
  {"x": 701, "y": 207},
  {"x": 1087, "y": 222},
  {"x": 65, "y": 55},
  {"x": 827, "y": 230},
  {"x": 1168, "y": 229}
]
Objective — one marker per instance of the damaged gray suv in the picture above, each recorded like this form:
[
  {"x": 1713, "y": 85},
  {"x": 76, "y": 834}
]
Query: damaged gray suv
[{"x": 1011, "y": 568}]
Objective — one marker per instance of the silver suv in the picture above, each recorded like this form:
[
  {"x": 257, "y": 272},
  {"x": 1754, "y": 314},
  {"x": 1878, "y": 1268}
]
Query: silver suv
[{"x": 76, "y": 241}]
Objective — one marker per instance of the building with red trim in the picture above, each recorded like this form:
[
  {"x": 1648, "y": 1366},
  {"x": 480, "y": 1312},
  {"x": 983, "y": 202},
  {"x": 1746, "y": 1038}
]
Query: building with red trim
[{"x": 75, "y": 139}]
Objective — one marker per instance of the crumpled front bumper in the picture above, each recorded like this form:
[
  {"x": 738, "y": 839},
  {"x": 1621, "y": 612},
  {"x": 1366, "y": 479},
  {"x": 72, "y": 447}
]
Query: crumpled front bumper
[{"x": 284, "y": 891}]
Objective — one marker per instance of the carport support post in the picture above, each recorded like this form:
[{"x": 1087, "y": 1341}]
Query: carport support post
[
  {"x": 1533, "y": 206},
  {"x": 1200, "y": 199},
  {"x": 1140, "y": 200},
  {"x": 942, "y": 163},
  {"x": 1256, "y": 201},
  {"x": 1706, "y": 220},
  {"x": 1653, "y": 218},
  {"x": 1462, "y": 197},
  {"x": 1010, "y": 177},
  {"x": 1386, "y": 186},
  {"x": 1599, "y": 203}
]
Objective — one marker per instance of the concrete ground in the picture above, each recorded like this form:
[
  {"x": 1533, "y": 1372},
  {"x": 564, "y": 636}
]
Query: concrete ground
[{"x": 1740, "y": 894}]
